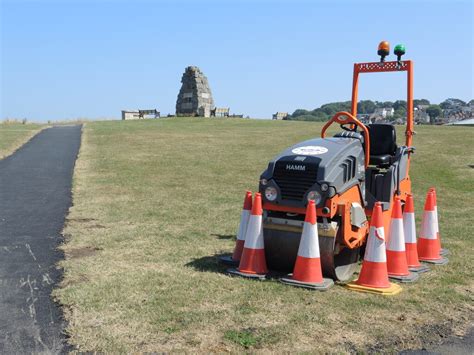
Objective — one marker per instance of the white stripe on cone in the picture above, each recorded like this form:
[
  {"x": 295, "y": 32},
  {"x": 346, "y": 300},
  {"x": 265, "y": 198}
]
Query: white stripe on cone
[
  {"x": 396, "y": 240},
  {"x": 244, "y": 221},
  {"x": 409, "y": 227},
  {"x": 309, "y": 245},
  {"x": 254, "y": 235},
  {"x": 375, "y": 249},
  {"x": 428, "y": 227},
  {"x": 436, "y": 219}
]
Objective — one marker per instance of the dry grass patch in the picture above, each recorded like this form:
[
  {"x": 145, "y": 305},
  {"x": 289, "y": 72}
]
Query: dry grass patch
[
  {"x": 168, "y": 193},
  {"x": 14, "y": 135}
]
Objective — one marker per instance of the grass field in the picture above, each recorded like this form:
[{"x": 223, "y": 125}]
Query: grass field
[
  {"x": 14, "y": 135},
  {"x": 156, "y": 200}
]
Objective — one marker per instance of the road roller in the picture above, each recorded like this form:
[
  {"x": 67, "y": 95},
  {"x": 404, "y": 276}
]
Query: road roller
[{"x": 345, "y": 175}]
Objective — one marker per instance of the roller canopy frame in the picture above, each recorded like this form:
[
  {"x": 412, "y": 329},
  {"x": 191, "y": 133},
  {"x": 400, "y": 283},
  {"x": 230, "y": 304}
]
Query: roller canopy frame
[{"x": 393, "y": 66}]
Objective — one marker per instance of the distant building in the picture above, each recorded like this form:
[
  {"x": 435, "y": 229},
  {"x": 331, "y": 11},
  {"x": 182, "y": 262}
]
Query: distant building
[
  {"x": 384, "y": 112},
  {"x": 458, "y": 113},
  {"x": 468, "y": 110},
  {"x": 422, "y": 107},
  {"x": 421, "y": 116},
  {"x": 220, "y": 112},
  {"x": 139, "y": 114},
  {"x": 280, "y": 116},
  {"x": 451, "y": 112},
  {"x": 381, "y": 114},
  {"x": 130, "y": 115}
]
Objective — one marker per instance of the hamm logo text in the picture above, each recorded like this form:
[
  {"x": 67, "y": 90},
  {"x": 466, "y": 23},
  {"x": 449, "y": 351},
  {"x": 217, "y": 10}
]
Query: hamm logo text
[{"x": 295, "y": 167}]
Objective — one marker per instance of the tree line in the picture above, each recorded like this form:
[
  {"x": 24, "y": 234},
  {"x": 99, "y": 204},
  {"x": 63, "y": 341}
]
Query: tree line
[{"x": 326, "y": 111}]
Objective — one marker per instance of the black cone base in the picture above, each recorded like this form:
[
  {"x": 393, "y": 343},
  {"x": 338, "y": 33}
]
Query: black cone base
[
  {"x": 323, "y": 286},
  {"x": 236, "y": 272},
  {"x": 419, "y": 269},
  {"x": 444, "y": 252},
  {"x": 412, "y": 277},
  {"x": 441, "y": 261}
]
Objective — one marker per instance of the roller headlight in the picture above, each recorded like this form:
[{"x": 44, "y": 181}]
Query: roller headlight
[
  {"x": 271, "y": 193},
  {"x": 264, "y": 182},
  {"x": 315, "y": 196},
  {"x": 324, "y": 187}
]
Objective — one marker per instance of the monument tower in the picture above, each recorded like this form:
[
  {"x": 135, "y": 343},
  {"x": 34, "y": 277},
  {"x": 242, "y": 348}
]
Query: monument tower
[{"x": 195, "y": 97}]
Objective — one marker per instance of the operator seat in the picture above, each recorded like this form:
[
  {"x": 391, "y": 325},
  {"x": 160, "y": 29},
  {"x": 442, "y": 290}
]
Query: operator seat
[{"x": 383, "y": 144}]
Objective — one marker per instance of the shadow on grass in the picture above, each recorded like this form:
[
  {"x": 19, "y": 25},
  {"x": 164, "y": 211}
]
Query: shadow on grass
[
  {"x": 212, "y": 264},
  {"x": 223, "y": 236},
  {"x": 209, "y": 264}
]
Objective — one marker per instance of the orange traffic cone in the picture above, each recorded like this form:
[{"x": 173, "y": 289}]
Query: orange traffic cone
[
  {"x": 253, "y": 263},
  {"x": 373, "y": 277},
  {"x": 397, "y": 265},
  {"x": 234, "y": 259},
  {"x": 438, "y": 236},
  {"x": 307, "y": 272},
  {"x": 409, "y": 228},
  {"x": 428, "y": 246}
]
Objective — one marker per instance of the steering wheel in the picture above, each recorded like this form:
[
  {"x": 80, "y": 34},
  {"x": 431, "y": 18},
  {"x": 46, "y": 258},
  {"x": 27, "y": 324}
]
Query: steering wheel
[{"x": 345, "y": 118}]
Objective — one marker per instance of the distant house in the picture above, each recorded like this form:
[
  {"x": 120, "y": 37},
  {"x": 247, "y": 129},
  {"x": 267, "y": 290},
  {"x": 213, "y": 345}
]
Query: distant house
[
  {"x": 421, "y": 116},
  {"x": 384, "y": 112},
  {"x": 139, "y": 114},
  {"x": 381, "y": 114},
  {"x": 468, "y": 110},
  {"x": 422, "y": 107},
  {"x": 458, "y": 113},
  {"x": 451, "y": 112},
  {"x": 220, "y": 112},
  {"x": 280, "y": 116},
  {"x": 130, "y": 115}
]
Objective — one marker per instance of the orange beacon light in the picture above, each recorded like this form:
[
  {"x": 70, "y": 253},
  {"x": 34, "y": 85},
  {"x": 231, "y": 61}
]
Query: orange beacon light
[{"x": 383, "y": 50}]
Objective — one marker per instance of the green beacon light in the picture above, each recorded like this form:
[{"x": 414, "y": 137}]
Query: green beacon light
[{"x": 399, "y": 51}]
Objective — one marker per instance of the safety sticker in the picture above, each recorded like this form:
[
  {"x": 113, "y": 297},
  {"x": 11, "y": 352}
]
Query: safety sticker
[{"x": 310, "y": 150}]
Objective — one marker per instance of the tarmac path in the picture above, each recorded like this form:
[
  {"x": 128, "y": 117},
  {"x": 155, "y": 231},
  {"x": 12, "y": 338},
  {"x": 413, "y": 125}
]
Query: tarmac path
[
  {"x": 452, "y": 345},
  {"x": 35, "y": 195}
]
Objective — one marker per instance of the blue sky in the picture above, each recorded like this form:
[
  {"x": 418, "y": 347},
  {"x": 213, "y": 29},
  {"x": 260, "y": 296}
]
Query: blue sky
[{"x": 90, "y": 59}]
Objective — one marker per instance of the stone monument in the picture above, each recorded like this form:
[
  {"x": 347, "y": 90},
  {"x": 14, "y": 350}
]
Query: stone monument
[{"x": 195, "y": 97}]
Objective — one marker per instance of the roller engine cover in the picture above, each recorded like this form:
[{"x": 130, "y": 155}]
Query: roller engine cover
[
  {"x": 337, "y": 163},
  {"x": 328, "y": 166}
]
